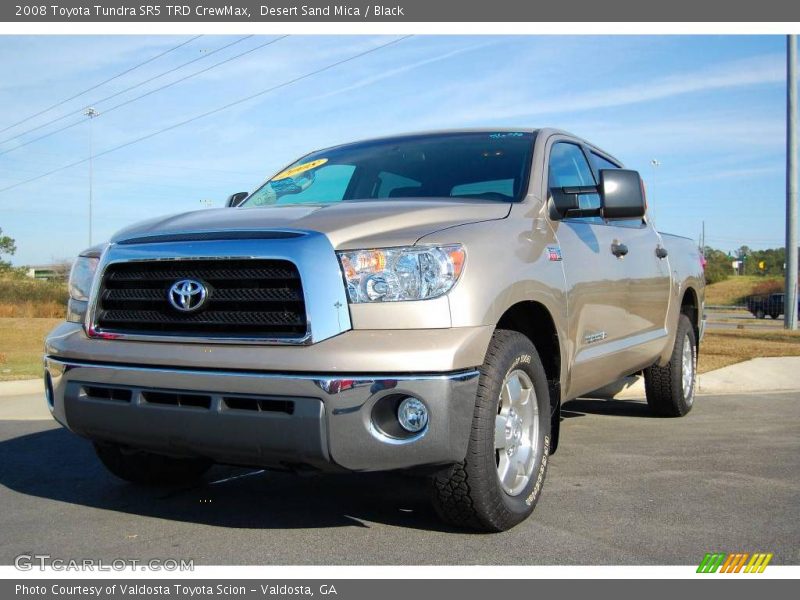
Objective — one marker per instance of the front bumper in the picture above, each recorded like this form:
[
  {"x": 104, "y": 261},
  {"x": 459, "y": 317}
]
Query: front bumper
[{"x": 263, "y": 419}]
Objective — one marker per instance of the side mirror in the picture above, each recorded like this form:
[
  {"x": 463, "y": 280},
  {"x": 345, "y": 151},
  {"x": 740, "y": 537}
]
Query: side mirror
[
  {"x": 621, "y": 194},
  {"x": 236, "y": 199}
]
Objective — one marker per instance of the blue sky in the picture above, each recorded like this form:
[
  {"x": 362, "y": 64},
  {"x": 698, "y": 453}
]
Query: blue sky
[{"x": 710, "y": 109}]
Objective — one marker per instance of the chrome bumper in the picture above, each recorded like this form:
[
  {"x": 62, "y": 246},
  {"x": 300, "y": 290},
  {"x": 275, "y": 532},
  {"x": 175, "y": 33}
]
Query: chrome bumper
[{"x": 330, "y": 423}]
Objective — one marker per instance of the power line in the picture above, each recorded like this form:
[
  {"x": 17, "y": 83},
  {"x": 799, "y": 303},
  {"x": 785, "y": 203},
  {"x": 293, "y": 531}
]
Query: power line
[
  {"x": 210, "y": 112},
  {"x": 94, "y": 87},
  {"x": 148, "y": 93},
  {"x": 126, "y": 90}
]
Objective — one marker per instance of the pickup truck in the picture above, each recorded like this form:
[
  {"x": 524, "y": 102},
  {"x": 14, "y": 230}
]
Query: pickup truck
[
  {"x": 424, "y": 302},
  {"x": 772, "y": 305}
]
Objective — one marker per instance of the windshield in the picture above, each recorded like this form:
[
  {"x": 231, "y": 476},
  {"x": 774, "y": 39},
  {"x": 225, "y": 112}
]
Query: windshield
[{"x": 488, "y": 166}]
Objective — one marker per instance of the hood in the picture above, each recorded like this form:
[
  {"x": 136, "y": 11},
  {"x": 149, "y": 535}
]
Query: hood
[{"x": 348, "y": 225}]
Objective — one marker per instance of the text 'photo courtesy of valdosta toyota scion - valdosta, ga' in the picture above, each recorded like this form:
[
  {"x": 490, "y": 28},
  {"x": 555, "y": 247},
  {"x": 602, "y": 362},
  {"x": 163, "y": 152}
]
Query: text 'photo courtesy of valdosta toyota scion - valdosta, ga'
[
  {"x": 422, "y": 302},
  {"x": 180, "y": 590},
  {"x": 207, "y": 11}
]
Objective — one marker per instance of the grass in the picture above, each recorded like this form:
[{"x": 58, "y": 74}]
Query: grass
[
  {"x": 734, "y": 290},
  {"x": 723, "y": 348},
  {"x": 21, "y": 347},
  {"x": 31, "y": 298}
]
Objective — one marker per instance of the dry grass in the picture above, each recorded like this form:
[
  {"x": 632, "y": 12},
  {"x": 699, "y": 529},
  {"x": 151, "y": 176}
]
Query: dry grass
[
  {"x": 722, "y": 348},
  {"x": 30, "y": 298},
  {"x": 22, "y": 346},
  {"x": 734, "y": 290},
  {"x": 33, "y": 310}
]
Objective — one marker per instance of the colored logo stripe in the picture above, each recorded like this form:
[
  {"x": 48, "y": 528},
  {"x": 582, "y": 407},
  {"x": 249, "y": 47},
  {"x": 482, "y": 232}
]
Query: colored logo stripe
[
  {"x": 758, "y": 563},
  {"x": 733, "y": 563},
  {"x": 711, "y": 562}
]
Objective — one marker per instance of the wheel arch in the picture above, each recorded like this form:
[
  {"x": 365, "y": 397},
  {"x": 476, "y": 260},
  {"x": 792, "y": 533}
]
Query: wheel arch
[
  {"x": 690, "y": 306},
  {"x": 533, "y": 320}
]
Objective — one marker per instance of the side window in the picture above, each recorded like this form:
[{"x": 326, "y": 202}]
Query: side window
[
  {"x": 602, "y": 163},
  {"x": 569, "y": 167},
  {"x": 392, "y": 185}
]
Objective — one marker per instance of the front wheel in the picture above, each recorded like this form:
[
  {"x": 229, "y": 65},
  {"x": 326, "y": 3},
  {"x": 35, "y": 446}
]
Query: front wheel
[
  {"x": 760, "y": 314},
  {"x": 499, "y": 482},
  {"x": 670, "y": 389}
]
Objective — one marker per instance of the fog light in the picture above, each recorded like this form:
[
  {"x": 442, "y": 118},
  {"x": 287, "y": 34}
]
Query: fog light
[{"x": 412, "y": 414}]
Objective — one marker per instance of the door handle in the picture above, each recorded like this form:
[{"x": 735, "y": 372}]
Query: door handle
[
  {"x": 661, "y": 252},
  {"x": 619, "y": 249}
]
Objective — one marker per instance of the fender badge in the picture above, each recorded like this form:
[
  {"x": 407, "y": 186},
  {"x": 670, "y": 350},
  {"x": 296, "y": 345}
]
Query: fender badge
[
  {"x": 554, "y": 253},
  {"x": 591, "y": 338}
]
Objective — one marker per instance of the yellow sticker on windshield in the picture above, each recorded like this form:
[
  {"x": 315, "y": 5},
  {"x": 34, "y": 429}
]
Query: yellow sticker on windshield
[{"x": 292, "y": 171}]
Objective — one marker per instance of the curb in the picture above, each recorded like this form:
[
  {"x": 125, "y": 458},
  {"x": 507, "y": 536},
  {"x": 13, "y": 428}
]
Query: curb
[
  {"x": 758, "y": 375},
  {"x": 21, "y": 387}
]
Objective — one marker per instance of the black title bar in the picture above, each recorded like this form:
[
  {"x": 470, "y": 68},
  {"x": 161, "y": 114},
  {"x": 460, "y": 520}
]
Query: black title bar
[{"x": 402, "y": 11}]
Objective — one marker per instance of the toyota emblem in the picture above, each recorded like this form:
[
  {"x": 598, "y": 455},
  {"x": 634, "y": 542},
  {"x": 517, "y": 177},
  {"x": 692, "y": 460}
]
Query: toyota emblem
[{"x": 187, "y": 295}]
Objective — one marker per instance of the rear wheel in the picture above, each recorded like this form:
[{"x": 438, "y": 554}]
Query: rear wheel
[
  {"x": 147, "y": 468},
  {"x": 774, "y": 315},
  {"x": 670, "y": 389},
  {"x": 760, "y": 314},
  {"x": 500, "y": 480}
]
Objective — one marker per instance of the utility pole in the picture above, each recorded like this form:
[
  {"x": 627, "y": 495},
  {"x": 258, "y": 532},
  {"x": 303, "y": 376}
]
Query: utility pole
[
  {"x": 703, "y": 243},
  {"x": 790, "y": 297},
  {"x": 91, "y": 113}
]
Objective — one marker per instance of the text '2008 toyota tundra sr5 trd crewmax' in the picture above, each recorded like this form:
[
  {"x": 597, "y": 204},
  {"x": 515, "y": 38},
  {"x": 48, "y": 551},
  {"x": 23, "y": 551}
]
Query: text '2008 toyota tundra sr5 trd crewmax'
[{"x": 416, "y": 302}]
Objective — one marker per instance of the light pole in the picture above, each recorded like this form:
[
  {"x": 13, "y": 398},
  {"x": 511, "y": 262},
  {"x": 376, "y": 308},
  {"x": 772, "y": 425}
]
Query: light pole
[
  {"x": 91, "y": 113},
  {"x": 790, "y": 297}
]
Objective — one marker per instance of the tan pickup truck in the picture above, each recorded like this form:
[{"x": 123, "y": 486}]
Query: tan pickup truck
[{"x": 423, "y": 302}]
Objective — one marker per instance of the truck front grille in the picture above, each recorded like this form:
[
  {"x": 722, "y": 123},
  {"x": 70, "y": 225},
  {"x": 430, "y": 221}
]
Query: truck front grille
[{"x": 243, "y": 298}]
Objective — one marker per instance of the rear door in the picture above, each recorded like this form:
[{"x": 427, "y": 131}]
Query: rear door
[{"x": 646, "y": 272}]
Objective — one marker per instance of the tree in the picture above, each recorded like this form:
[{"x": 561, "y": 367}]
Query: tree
[
  {"x": 718, "y": 265},
  {"x": 7, "y": 246}
]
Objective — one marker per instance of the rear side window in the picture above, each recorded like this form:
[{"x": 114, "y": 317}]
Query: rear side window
[{"x": 602, "y": 163}]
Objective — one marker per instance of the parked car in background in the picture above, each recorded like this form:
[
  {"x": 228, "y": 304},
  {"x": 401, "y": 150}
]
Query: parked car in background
[{"x": 771, "y": 305}]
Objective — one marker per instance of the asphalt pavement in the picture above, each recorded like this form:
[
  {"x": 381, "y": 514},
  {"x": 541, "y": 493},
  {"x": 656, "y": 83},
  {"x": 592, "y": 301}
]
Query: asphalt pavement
[{"x": 623, "y": 488}]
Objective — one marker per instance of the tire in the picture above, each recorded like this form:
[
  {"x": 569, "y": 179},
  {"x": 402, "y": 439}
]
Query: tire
[
  {"x": 146, "y": 468},
  {"x": 470, "y": 493},
  {"x": 760, "y": 314},
  {"x": 670, "y": 390},
  {"x": 774, "y": 315}
]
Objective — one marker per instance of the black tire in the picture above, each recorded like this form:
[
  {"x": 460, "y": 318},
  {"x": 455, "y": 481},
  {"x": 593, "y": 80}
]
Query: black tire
[
  {"x": 664, "y": 385},
  {"x": 774, "y": 315},
  {"x": 146, "y": 468},
  {"x": 760, "y": 314},
  {"x": 469, "y": 493}
]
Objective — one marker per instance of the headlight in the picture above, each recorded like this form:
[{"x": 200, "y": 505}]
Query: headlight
[
  {"x": 81, "y": 277},
  {"x": 397, "y": 274}
]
